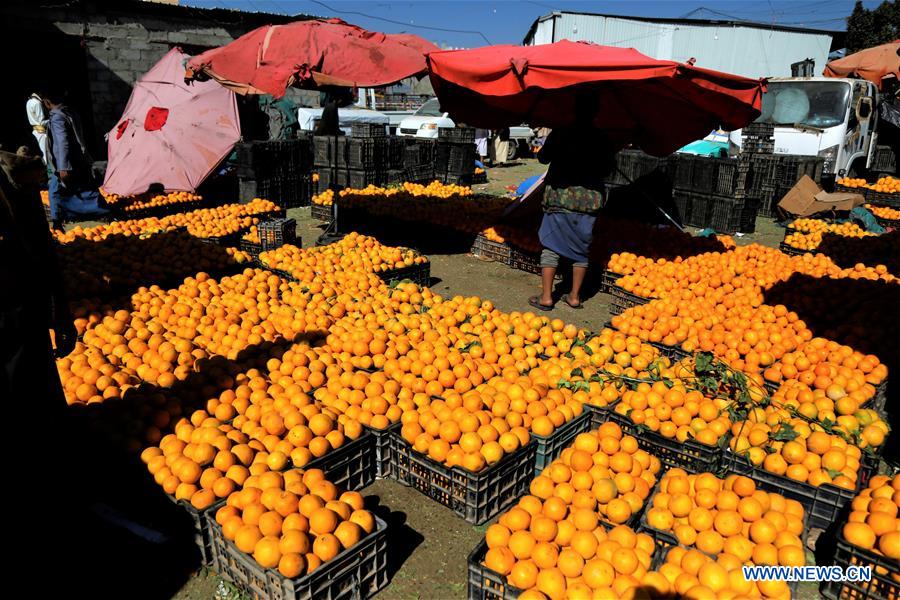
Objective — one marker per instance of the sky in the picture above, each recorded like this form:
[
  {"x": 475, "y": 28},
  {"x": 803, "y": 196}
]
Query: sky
[{"x": 467, "y": 24}]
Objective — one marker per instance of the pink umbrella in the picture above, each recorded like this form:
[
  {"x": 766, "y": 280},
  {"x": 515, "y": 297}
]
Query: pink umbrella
[{"x": 171, "y": 133}]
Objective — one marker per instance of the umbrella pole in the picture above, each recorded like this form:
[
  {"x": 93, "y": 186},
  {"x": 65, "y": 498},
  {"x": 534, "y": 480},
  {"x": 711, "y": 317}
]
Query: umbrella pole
[{"x": 649, "y": 199}]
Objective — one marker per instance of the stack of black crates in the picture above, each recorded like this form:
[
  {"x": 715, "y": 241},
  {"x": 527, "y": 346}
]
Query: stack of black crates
[
  {"x": 366, "y": 157},
  {"x": 712, "y": 193},
  {"x": 454, "y": 155},
  {"x": 771, "y": 175},
  {"x": 280, "y": 171}
]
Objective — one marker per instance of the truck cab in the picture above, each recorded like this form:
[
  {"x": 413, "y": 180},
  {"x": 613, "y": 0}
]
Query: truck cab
[{"x": 822, "y": 116}]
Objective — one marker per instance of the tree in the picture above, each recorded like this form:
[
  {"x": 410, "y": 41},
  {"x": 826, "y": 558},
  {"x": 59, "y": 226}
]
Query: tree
[{"x": 867, "y": 28}]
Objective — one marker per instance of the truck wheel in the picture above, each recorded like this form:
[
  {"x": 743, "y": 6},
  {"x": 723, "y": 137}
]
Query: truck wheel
[{"x": 513, "y": 150}]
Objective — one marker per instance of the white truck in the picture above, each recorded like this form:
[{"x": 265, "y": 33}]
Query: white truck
[
  {"x": 425, "y": 122},
  {"x": 836, "y": 119}
]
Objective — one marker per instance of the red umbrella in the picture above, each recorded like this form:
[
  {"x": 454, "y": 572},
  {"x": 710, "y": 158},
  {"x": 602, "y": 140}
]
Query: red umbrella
[
  {"x": 309, "y": 54},
  {"x": 658, "y": 105},
  {"x": 873, "y": 64}
]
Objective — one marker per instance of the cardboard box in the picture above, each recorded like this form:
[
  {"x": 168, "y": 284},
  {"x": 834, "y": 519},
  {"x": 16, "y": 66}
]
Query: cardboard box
[{"x": 806, "y": 198}]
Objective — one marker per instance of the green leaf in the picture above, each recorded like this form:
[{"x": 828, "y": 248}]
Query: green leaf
[{"x": 784, "y": 433}]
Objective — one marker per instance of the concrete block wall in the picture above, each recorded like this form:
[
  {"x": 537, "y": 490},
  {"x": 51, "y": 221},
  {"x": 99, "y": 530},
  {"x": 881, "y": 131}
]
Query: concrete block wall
[{"x": 122, "y": 40}]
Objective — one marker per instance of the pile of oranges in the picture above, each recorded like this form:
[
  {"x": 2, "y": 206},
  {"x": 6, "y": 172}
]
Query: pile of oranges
[
  {"x": 407, "y": 191},
  {"x": 792, "y": 448},
  {"x": 689, "y": 573},
  {"x": 353, "y": 252},
  {"x": 158, "y": 200},
  {"x": 95, "y": 268},
  {"x": 811, "y": 232},
  {"x": 874, "y": 523},
  {"x": 603, "y": 470},
  {"x": 553, "y": 544},
  {"x": 887, "y": 185},
  {"x": 202, "y": 223},
  {"x": 728, "y": 516},
  {"x": 676, "y": 413},
  {"x": 884, "y": 212},
  {"x": 293, "y": 521}
]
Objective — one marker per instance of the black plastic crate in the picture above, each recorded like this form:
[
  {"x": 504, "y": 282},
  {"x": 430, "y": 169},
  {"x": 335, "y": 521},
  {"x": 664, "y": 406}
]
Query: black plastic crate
[
  {"x": 792, "y": 168},
  {"x": 550, "y": 447},
  {"x": 822, "y": 503},
  {"x": 368, "y": 130},
  {"x": 394, "y": 177},
  {"x": 883, "y": 198},
  {"x": 690, "y": 455},
  {"x": 673, "y": 353},
  {"x": 367, "y": 153},
  {"x": 732, "y": 176},
  {"x": 350, "y": 467},
  {"x": 682, "y": 199},
  {"x": 704, "y": 174},
  {"x": 599, "y": 414},
  {"x": 418, "y": 274},
  {"x": 329, "y": 150},
  {"x": 418, "y": 152},
  {"x": 462, "y": 135},
  {"x": 748, "y": 214},
  {"x": 726, "y": 214},
  {"x": 484, "y": 583},
  {"x": 608, "y": 279},
  {"x": 529, "y": 262},
  {"x": 275, "y": 233},
  {"x": 476, "y": 497},
  {"x": 764, "y": 169},
  {"x": 381, "y": 442},
  {"x": 479, "y": 177},
  {"x": 420, "y": 173},
  {"x": 464, "y": 180},
  {"x": 201, "y": 535},
  {"x": 358, "y": 179},
  {"x": 496, "y": 251},
  {"x": 395, "y": 152},
  {"x": 250, "y": 248},
  {"x": 626, "y": 298},
  {"x": 884, "y": 160},
  {"x": 320, "y": 212},
  {"x": 701, "y": 210},
  {"x": 885, "y": 582},
  {"x": 357, "y": 572},
  {"x": 683, "y": 170},
  {"x": 791, "y": 251}
]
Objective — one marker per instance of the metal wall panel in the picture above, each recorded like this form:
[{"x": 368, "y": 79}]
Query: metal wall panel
[{"x": 742, "y": 50}]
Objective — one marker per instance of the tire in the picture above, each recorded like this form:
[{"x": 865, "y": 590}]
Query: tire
[{"x": 513, "y": 150}]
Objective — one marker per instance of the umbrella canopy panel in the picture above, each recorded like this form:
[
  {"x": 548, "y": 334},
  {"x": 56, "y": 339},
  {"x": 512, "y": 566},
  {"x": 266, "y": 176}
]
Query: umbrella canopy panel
[
  {"x": 172, "y": 133},
  {"x": 657, "y": 105},
  {"x": 872, "y": 64},
  {"x": 311, "y": 54}
]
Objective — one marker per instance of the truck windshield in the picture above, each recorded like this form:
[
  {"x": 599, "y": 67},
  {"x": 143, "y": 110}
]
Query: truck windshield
[
  {"x": 432, "y": 108},
  {"x": 814, "y": 103}
]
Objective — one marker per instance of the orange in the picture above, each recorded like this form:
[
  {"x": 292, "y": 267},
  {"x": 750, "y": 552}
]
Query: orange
[
  {"x": 323, "y": 521},
  {"x": 570, "y": 563},
  {"x": 497, "y": 536},
  {"x": 544, "y": 528},
  {"x": 545, "y": 555},
  {"x": 267, "y": 552},
  {"x": 246, "y": 538},
  {"x": 598, "y": 573},
  {"x": 326, "y": 547},
  {"x": 500, "y": 560},
  {"x": 521, "y": 543},
  {"x": 552, "y": 583},
  {"x": 523, "y": 575},
  {"x": 860, "y": 534}
]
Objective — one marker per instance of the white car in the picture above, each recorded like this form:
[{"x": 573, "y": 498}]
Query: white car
[{"x": 425, "y": 122}]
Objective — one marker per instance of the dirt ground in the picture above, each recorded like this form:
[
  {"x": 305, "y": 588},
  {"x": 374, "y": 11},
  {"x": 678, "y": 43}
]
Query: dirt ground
[{"x": 429, "y": 544}]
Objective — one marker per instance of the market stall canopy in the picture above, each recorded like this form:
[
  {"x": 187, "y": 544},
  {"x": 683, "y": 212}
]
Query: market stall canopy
[
  {"x": 872, "y": 64},
  {"x": 658, "y": 105},
  {"x": 171, "y": 133},
  {"x": 310, "y": 54}
]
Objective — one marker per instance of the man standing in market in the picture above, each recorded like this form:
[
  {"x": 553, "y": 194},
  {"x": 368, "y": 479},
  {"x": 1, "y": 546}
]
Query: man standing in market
[
  {"x": 72, "y": 189},
  {"x": 39, "y": 121}
]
